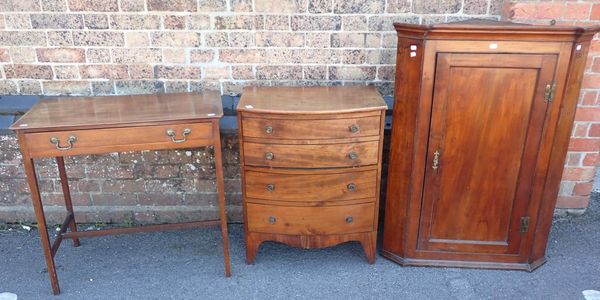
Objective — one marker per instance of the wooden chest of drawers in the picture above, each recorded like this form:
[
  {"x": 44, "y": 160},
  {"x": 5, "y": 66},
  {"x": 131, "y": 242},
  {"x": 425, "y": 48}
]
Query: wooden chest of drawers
[{"x": 311, "y": 165}]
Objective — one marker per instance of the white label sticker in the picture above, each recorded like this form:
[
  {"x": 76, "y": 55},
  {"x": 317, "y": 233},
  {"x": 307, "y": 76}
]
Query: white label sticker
[
  {"x": 493, "y": 46},
  {"x": 578, "y": 47},
  {"x": 413, "y": 47},
  {"x": 23, "y": 125},
  {"x": 211, "y": 115},
  {"x": 249, "y": 106},
  {"x": 413, "y": 54}
]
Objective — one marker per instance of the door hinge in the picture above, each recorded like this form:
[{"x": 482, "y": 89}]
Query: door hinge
[
  {"x": 549, "y": 92},
  {"x": 524, "y": 225}
]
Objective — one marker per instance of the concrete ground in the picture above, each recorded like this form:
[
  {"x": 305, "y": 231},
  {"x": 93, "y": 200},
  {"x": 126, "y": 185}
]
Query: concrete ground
[{"x": 188, "y": 265}]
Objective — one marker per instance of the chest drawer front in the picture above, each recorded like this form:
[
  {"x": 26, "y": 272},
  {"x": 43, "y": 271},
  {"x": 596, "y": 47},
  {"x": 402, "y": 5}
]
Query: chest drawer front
[
  {"x": 311, "y": 129},
  {"x": 48, "y": 144},
  {"x": 311, "y": 187},
  {"x": 311, "y": 156},
  {"x": 310, "y": 220}
]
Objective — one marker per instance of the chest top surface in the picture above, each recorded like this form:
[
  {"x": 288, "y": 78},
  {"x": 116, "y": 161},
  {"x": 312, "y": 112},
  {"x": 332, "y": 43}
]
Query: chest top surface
[
  {"x": 111, "y": 111},
  {"x": 311, "y": 100}
]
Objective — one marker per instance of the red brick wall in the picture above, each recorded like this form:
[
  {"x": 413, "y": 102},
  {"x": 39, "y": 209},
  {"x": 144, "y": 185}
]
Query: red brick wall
[{"x": 583, "y": 157}]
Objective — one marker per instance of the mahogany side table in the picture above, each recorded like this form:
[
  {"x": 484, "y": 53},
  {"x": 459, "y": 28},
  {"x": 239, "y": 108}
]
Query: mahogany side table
[{"x": 92, "y": 125}]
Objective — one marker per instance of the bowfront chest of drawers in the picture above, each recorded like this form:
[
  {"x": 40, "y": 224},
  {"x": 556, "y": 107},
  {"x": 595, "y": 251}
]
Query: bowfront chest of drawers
[{"x": 311, "y": 165}]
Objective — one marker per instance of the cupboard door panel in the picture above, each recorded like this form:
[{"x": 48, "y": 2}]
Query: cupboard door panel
[{"x": 487, "y": 118}]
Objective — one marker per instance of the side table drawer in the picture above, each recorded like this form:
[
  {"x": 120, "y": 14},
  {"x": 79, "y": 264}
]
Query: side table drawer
[
  {"x": 73, "y": 142},
  {"x": 311, "y": 156},
  {"x": 311, "y": 129},
  {"x": 310, "y": 220},
  {"x": 311, "y": 187}
]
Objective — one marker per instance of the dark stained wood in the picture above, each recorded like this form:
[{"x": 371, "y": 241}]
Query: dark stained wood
[
  {"x": 311, "y": 100},
  {"x": 309, "y": 203},
  {"x": 474, "y": 93},
  {"x": 118, "y": 111},
  {"x": 110, "y": 124}
]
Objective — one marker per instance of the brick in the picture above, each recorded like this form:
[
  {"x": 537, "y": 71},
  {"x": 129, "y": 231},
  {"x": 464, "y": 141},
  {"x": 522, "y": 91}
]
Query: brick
[
  {"x": 204, "y": 85},
  {"x": 106, "y": 87},
  {"x": 174, "y": 55},
  {"x": 137, "y": 39},
  {"x": 386, "y": 72},
  {"x": 176, "y": 86},
  {"x": 93, "y": 5},
  {"x": 88, "y": 185},
  {"x": 591, "y": 159},
  {"x": 29, "y": 87},
  {"x": 240, "y": 5},
  {"x": 399, "y": 6},
  {"x": 591, "y": 114},
  {"x": 20, "y": 5},
  {"x": 132, "y": 5},
  {"x": 358, "y": 6},
  {"x": 320, "y": 6},
  {"x": 584, "y": 144},
  {"x": 174, "y": 22},
  {"x": 22, "y": 38},
  {"x": 177, "y": 72},
  {"x": 437, "y": 6},
  {"x": 212, "y": 5},
  {"x": 280, "y": 6},
  {"x": 198, "y": 22},
  {"x": 572, "y": 202},
  {"x": 64, "y": 55},
  {"x": 316, "y": 23},
  {"x": 67, "y": 88},
  {"x": 241, "y": 55},
  {"x": 95, "y": 21},
  {"x": 277, "y": 22},
  {"x": 594, "y": 131},
  {"x": 104, "y": 72},
  {"x": 354, "y": 56},
  {"x": 98, "y": 38},
  {"x": 20, "y": 21},
  {"x": 59, "y": 38},
  {"x": 574, "y": 159},
  {"x": 66, "y": 72},
  {"x": 381, "y": 57},
  {"x": 352, "y": 73},
  {"x": 588, "y": 98},
  {"x": 475, "y": 7},
  {"x": 133, "y": 55},
  {"x": 56, "y": 21},
  {"x": 141, "y": 71},
  {"x": 245, "y": 22},
  {"x": 22, "y": 55},
  {"x": 595, "y": 12},
  {"x": 386, "y": 23},
  {"x": 279, "y": 72},
  {"x": 583, "y": 189},
  {"x": 173, "y": 5},
  {"x": 576, "y": 11},
  {"x": 242, "y": 73},
  {"x": 318, "y": 40},
  {"x": 28, "y": 71},
  {"x": 4, "y": 55},
  {"x": 319, "y": 56},
  {"x": 201, "y": 56},
  {"x": 539, "y": 10},
  {"x": 566, "y": 188},
  {"x": 132, "y": 22},
  {"x": 54, "y": 5},
  {"x": 279, "y": 39},
  {"x": 315, "y": 72},
  {"x": 216, "y": 39},
  {"x": 354, "y": 23},
  {"x": 98, "y": 55},
  {"x": 129, "y": 87},
  {"x": 356, "y": 40},
  {"x": 578, "y": 174},
  {"x": 176, "y": 39},
  {"x": 241, "y": 39},
  {"x": 211, "y": 72},
  {"x": 580, "y": 129},
  {"x": 114, "y": 199}
]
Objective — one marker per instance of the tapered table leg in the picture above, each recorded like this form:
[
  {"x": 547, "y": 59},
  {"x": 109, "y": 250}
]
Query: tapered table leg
[
  {"x": 64, "y": 181},
  {"x": 41, "y": 221},
  {"x": 221, "y": 193}
]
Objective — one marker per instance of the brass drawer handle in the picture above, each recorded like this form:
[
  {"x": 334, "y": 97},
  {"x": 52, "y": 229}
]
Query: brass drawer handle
[
  {"x": 72, "y": 139},
  {"x": 269, "y": 156},
  {"x": 351, "y": 187},
  {"x": 272, "y": 220},
  {"x": 270, "y": 187},
  {"x": 269, "y": 129},
  {"x": 171, "y": 133},
  {"x": 349, "y": 219},
  {"x": 352, "y": 155},
  {"x": 354, "y": 128}
]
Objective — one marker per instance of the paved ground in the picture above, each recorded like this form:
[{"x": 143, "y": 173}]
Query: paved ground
[{"x": 188, "y": 265}]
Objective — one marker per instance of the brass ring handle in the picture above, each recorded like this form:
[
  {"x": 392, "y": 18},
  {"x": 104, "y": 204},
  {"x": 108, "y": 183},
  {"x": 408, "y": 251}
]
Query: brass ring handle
[
  {"x": 272, "y": 220},
  {"x": 352, "y": 155},
  {"x": 269, "y": 129},
  {"x": 171, "y": 133},
  {"x": 269, "y": 156},
  {"x": 351, "y": 187},
  {"x": 270, "y": 187},
  {"x": 72, "y": 139},
  {"x": 354, "y": 128},
  {"x": 349, "y": 219}
]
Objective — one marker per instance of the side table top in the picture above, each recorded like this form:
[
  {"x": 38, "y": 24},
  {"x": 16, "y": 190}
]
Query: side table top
[
  {"x": 311, "y": 100},
  {"x": 113, "y": 111}
]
